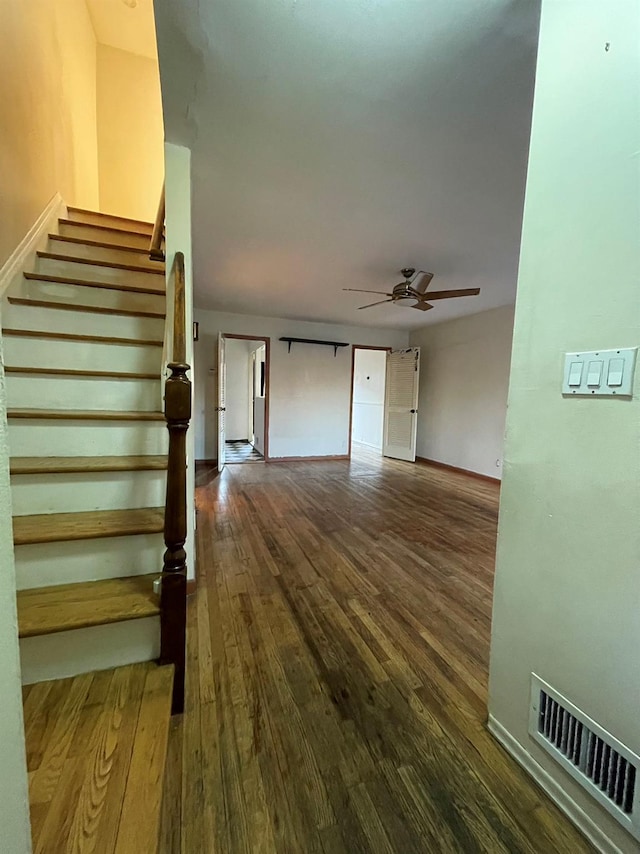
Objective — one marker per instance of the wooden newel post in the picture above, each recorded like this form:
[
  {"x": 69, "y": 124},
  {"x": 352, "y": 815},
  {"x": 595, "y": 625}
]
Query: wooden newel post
[{"x": 173, "y": 596}]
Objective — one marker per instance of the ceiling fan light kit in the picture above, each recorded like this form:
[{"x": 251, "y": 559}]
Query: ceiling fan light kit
[{"x": 414, "y": 288}]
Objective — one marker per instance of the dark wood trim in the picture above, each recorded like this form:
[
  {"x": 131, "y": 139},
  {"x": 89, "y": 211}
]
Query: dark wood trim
[
  {"x": 208, "y": 462},
  {"x": 355, "y": 347},
  {"x": 192, "y": 586},
  {"x": 324, "y": 459},
  {"x": 156, "y": 252},
  {"x": 267, "y": 372},
  {"x": 436, "y": 464}
]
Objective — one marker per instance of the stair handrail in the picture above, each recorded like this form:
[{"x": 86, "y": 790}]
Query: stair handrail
[
  {"x": 177, "y": 411},
  {"x": 156, "y": 252}
]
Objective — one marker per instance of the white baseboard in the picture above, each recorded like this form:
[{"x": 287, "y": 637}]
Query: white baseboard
[
  {"x": 33, "y": 240},
  {"x": 558, "y": 795}
]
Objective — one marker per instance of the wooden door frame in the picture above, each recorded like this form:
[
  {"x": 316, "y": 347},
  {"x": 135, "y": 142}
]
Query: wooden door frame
[
  {"x": 355, "y": 347},
  {"x": 267, "y": 378}
]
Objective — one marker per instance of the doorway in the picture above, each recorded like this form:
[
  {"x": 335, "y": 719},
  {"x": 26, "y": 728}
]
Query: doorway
[
  {"x": 243, "y": 399},
  {"x": 384, "y": 401},
  {"x": 368, "y": 381}
]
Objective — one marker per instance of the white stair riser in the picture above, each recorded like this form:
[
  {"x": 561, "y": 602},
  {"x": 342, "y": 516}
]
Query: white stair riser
[
  {"x": 120, "y": 238},
  {"x": 73, "y": 561},
  {"x": 96, "y": 273},
  {"x": 56, "y": 353},
  {"x": 113, "y": 221},
  {"x": 102, "y": 253},
  {"x": 81, "y": 322},
  {"x": 61, "y": 392},
  {"x": 97, "y": 648},
  {"x": 104, "y": 297},
  {"x": 80, "y": 491},
  {"x": 43, "y": 438}
]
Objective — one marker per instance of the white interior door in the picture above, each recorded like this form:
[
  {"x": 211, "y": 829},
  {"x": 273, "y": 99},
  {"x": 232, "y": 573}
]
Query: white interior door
[
  {"x": 221, "y": 407},
  {"x": 401, "y": 404}
]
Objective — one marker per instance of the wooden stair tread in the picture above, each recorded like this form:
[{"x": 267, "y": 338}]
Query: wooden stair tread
[
  {"x": 80, "y": 372},
  {"x": 92, "y": 283},
  {"x": 68, "y": 465},
  {"x": 63, "y": 607},
  {"x": 97, "y": 262},
  {"x": 72, "y": 336},
  {"x": 109, "y": 216},
  {"x": 87, "y": 525},
  {"x": 99, "y": 244},
  {"x": 91, "y": 309},
  {"x": 85, "y": 415},
  {"x": 96, "y": 751},
  {"x": 80, "y": 224}
]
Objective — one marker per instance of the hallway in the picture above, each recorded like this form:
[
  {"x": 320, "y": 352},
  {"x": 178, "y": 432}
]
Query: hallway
[{"x": 337, "y": 670}]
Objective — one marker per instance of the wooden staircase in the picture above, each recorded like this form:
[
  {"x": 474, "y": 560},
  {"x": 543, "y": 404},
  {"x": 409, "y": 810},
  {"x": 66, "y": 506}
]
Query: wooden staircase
[{"x": 83, "y": 338}]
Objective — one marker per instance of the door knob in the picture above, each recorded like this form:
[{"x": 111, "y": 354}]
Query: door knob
[
  {"x": 413, "y": 411},
  {"x": 221, "y": 408}
]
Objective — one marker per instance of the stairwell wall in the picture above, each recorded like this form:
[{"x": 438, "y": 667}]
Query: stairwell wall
[
  {"x": 14, "y": 793},
  {"x": 130, "y": 133},
  {"x": 48, "y": 97}
]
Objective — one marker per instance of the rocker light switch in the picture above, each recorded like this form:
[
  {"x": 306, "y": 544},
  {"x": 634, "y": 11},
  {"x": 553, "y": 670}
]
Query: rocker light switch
[
  {"x": 575, "y": 373},
  {"x": 600, "y": 373},
  {"x": 594, "y": 373},
  {"x": 616, "y": 372}
]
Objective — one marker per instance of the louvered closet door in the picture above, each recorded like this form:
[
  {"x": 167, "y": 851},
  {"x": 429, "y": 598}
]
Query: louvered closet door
[{"x": 401, "y": 404}]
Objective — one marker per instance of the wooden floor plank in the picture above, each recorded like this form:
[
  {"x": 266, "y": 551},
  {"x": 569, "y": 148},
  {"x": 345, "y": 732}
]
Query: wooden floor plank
[
  {"x": 84, "y": 783},
  {"x": 338, "y": 663},
  {"x": 140, "y": 819}
]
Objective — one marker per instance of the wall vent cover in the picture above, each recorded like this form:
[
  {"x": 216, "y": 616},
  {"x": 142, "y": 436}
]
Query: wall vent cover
[{"x": 605, "y": 767}]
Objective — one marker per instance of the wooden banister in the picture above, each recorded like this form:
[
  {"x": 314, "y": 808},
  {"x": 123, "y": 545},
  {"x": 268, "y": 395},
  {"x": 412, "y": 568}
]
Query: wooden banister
[
  {"x": 156, "y": 252},
  {"x": 177, "y": 410}
]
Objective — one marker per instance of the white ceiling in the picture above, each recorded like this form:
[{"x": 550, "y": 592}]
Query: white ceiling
[
  {"x": 125, "y": 24},
  {"x": 336, "y": 141}
]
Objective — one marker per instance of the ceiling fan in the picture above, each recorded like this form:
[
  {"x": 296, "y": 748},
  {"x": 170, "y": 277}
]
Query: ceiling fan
[{"x": 414, "y": 287}]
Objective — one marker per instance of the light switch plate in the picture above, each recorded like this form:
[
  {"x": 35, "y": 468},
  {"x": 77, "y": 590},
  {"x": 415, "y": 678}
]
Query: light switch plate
[{"x": 600, "y": 373}]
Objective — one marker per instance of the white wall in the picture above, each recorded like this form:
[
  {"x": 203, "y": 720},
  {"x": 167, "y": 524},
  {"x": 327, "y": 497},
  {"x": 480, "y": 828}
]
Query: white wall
[
  {"x": 464, "y": 378},
  {"x": 369, "y": 371},
  {"x": 48, "y": 97},
  {"x": 237, "y": 389},
  {"x": 567, "y": 590},
  {"x": 14, "y": 796},
  {"x": 310, "y": 388}
]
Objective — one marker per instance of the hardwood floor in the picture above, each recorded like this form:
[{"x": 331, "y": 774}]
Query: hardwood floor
[
  {"x": 96, "y": 748},
  {"x": 337, "y": 671}
]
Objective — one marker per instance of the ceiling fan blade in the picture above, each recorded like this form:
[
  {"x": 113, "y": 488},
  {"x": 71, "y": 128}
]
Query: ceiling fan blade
[
  {"x": 360, "y": 291},
  {"x": 423, "y": 280},
  {"x": 465, "y": 292},
  {"x": 371, "y": 304},
  {"x": 423, "y": 306}
]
